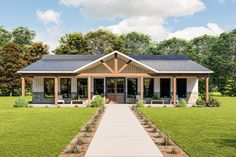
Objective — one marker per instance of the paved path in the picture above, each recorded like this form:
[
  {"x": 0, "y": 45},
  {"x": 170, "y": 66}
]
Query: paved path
[{"x": 120, "y": 134}]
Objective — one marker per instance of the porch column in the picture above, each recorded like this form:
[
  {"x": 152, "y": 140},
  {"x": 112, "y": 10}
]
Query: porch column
[
  {"x": 174, "y": 91},
  {"x": 56, "y": 90},
  {"x": 89, "y": 89},
  {"x": 141, "y": 88},
  {"x": 207, "y": 90},
  {"x": 22, "y": 86}
]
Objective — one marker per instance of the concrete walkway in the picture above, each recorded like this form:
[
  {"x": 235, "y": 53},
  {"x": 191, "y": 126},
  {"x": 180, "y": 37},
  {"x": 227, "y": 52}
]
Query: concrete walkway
[{"x": 120, "y": 134}]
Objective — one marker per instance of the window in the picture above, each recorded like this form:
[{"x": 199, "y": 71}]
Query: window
[
  {"x": 49, "y": 87},
  {"x": 165, "y": 88},
  {"x": 181, "y": 88},
  {"x": 148, "y": 87},
  {"x": 99, "y": 86},
  {"x": 65, "y": 87},
  {"x": 82, "y": 87},
  {"x": 132, "y": 87}
]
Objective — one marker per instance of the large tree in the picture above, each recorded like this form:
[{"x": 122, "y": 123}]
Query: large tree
[
  {"x": 22, "y": 36},
  {"x": 136, "y": 43},
  {"x": 11, "y": 61},
  {"x": 73, "y": 43},
  {"x": 5, "y": 36},
  {"x": 172, "y": 46},
  {"x": 102, "y": 41},
  {"x": 35, "y": 51},
  {"x": 201, "y": 48},
  {"x": 223, "y": 59}
]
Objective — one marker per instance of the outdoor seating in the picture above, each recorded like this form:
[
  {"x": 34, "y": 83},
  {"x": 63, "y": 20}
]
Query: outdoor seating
[{"x": 60, "y": 99}]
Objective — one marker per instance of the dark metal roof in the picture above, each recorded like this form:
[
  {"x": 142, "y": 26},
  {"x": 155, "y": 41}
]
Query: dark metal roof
[{"x": 70, "y": 63}]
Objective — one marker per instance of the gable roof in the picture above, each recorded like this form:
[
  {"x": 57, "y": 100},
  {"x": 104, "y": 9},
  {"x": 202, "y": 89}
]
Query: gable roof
[{"x": 76, "y": 63}]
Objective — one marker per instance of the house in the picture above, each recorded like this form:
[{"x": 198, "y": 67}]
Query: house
[{"x": 118, "y": 77}]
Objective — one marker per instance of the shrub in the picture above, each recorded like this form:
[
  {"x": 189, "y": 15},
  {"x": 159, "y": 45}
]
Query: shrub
[
  {"x": 200, "y": 102},
  {"x": 97, "y": 101},
  {"x": 213, "y": 102},
  {"x": 182, "y": 103},
  {"x": 139, "y": 103},
  {"x": 21, "y": 102}
]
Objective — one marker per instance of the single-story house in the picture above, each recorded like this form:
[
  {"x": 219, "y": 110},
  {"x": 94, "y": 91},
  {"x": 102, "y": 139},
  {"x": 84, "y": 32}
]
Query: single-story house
[{"x": 118, "y": 77}]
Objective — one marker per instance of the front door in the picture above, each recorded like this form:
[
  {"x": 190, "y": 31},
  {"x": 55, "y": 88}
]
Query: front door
[{"x": 115, "y": 90}]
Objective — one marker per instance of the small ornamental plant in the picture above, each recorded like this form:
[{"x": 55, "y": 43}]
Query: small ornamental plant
[
  {"x": 182, "y": 103},
  {"x": 21, "y": 102},
  {"x": 98, "y": 101},
  {"x": 139, "y": 103}
]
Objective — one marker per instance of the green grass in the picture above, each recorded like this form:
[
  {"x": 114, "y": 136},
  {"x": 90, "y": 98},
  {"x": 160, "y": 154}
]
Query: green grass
[
  {"x": 38, "y": 131},
  {"x": 200, "y": 131}
]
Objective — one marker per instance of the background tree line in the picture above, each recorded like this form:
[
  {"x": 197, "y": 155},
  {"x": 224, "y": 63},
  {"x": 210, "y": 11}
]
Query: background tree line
[{"x": 216, "y": 53}]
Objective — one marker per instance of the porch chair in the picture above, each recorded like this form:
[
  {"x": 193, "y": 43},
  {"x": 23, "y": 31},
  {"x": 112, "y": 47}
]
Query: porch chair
[{"x": 60, "y": 99}]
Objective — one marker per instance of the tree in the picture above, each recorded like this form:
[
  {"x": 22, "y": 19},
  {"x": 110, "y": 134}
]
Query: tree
[
  {"x": 11, "y": 61},
  {"x": 173, "y": 46},
  {"x": 5, "y": 36},
  {"x": 102, "y": 41},
  {"x": 223, "y": 59},
  {"x": 22, "y": 36},
  {"x": 201, "y": 48},
  {"x": 136, "y": 43},
  {"x": 73, "y": 43},
  {"x": 35, "y": 51}
]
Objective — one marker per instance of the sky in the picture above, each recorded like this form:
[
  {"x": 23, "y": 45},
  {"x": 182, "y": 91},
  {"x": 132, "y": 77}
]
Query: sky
[{"x": 161, "y": 19}]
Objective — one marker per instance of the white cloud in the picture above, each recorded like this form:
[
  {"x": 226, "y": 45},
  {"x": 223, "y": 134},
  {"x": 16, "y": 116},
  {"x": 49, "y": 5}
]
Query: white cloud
[
  {"x": 191, "y": 32},
  {"x": 48, "y": 16},
  {"x": 131, "y": 8},
  {"x": 50, "y": 36},
  {"x": 146, "y": 16}
]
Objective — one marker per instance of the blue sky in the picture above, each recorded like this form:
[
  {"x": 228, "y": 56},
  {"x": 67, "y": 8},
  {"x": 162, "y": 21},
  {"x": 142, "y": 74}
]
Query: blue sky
[{"x": 160, "y": 19}]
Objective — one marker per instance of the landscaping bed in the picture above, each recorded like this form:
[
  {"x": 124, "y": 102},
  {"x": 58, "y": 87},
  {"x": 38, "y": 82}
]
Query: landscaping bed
[
  {"x": 167, "y": 147},
  {"x": 80, "y": 143}
]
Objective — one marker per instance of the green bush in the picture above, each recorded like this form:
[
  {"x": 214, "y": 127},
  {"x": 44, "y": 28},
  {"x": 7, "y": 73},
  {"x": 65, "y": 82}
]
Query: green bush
[
  {"x": 182, "y": 103},
  {"x": 200, "y": 101},
  {"x": 216, "y": 93},
  {"x": 213, "y": 102},
  {"x": 97, "y": 101},
  {"x": 21, "y": 102},
  {"x": 139, "y": 103}
]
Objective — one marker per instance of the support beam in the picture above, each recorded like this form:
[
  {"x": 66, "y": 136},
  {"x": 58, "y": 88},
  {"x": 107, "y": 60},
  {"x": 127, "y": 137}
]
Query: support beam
[
  {"x": 113, "y": 75},
  {"x": 207, "y": 89},
  {"x": 89, "y": 89},
  {"x": 174, "y": 91},
  {"x": 56, "y": 90},
  {"x": 124, "y": 66},
  {"x": 22, "y": 86},
  {"x": 141, "y": 88},
  {"x": 116, "y": 63},
  {"x": 107, "y": 66}
]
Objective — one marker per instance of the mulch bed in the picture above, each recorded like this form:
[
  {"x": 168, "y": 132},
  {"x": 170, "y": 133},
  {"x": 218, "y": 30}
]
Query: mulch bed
[
  {"x": 167, "y": 147},
  {"x": 80, "y": 143}
]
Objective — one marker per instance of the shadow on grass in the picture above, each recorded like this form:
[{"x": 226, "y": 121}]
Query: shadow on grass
[{"x": 226, "y": 142}]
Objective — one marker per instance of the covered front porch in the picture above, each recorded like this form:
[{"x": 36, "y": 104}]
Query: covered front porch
[{"x": 119, "y": 78}]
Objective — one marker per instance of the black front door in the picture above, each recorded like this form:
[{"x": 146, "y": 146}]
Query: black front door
[
  {"x": 165, "y": 88},
  {"x": 115, "y": 90}
]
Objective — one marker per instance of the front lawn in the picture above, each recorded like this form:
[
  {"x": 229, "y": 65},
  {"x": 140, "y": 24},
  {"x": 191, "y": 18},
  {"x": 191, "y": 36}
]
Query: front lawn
[
  {"x": 200, "y": 131},
  {"x": 38, "y": 131}
]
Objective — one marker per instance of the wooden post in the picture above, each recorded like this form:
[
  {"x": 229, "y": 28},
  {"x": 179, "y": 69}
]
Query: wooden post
[
  {"x": 89, "y": 89},
  {"x": 56, "y": 90},
  {"x": 174, "y": 91},
  {"x": 207, "y": 89},
  {"x": 116, "y": 63},
  {"x": 141, "y": 88},
  {"x": 22, "y": 86}
]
